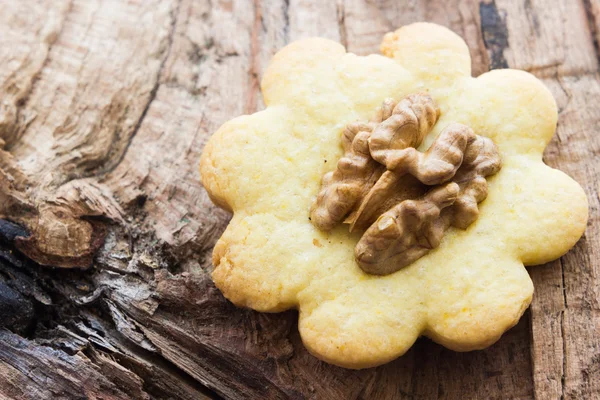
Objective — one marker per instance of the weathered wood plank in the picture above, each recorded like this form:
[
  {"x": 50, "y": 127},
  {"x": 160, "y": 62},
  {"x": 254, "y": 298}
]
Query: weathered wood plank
[
  {"x": 120, "y": 97},
  {"x": 555, "y": 42},
  {"x": 575, "y": 150},
  {"x": 56, "y": 374}
]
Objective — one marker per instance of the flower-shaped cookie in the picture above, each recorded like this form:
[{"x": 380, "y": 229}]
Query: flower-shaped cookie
[{"x": 266, "y": 168}]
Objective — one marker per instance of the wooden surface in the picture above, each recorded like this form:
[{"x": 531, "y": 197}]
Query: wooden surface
[{"x": 104, "y": 109}]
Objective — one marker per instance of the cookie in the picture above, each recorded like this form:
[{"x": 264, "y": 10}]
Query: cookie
[{"x": 267, "y": 169}]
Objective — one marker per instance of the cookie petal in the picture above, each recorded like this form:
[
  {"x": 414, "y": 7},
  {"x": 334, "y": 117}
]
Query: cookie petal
[
  {"x": 267, "y": 162},
  {"x": 262, "y": 262},
  {"x": 430, "y": 52},
  {"x": 474, "y": 295},
  {"x": 539, "y": 211},
  {"x": 511, "y": 107},
  {"x": 292, "y": 67},
  {"x": 373, "y": 321}
]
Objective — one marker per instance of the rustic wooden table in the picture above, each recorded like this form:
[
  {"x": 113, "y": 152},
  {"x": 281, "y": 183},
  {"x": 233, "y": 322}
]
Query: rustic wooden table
[{"x": 105, "y": 107}]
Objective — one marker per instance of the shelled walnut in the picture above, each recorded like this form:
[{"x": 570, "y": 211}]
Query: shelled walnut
[{"x": 402, "y": 198}]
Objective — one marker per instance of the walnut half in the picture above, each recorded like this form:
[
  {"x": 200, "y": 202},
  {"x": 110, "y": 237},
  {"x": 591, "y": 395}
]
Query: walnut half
[{"x": 402, "y": 198}]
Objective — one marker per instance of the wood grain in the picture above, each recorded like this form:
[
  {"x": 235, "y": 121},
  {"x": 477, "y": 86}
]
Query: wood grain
[{"x": 105, "y": 107}]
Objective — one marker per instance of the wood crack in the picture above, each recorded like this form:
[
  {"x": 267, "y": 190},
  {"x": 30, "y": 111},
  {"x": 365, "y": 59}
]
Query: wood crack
[
  {"x": 153, "y": 91},
  {"x": 592, "y": 20},
  {"x": 50, "y": 40},
  {"x": 495, "y": 34},
  {"x": 564, "y": 354},
  {"x": 253, "y": 72},
  {"x": 564, "y": 287},
  {"x": 153, "y": 355},
  {"x": 563, "y": 330},
  {"x": 21, "y": 83},
  {"x": 286, "y": 21},
  {"x": 341, "y": 19}
]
